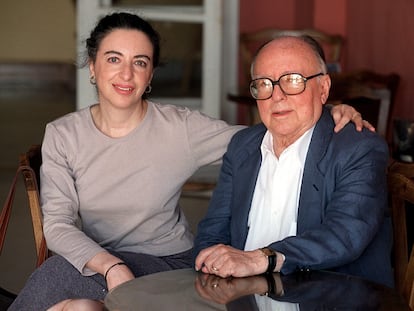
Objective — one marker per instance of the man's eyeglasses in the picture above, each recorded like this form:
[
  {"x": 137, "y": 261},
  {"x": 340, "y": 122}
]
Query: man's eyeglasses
[{"x": 290, "y": 84}]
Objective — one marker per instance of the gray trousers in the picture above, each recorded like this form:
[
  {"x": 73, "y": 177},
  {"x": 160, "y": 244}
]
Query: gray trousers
[{"x": 56, "y": 279}]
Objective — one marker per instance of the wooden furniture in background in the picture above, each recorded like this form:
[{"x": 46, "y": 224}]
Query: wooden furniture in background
[
  {"x": 401, "y": 192},
  {"x": 408, "y": 289},
  {"x": 29, "y": 166},
  {"x": 371, "y": 93},
  {"x": 202, "y": 183}
]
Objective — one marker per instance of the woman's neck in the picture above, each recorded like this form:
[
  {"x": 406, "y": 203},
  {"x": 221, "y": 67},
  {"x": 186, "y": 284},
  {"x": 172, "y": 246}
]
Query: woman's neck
[{"x": 115, "y": 122}]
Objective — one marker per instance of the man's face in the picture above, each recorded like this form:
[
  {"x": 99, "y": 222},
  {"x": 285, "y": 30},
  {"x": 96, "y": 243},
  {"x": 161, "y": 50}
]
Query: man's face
[{"x": 287, "y": 117}]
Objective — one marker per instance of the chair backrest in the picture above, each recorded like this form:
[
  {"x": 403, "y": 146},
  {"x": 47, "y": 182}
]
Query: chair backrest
[
  {"x": 401, "y": 192},
  {"x": 29, "y": 166},
  {"x": 371, "y": 93},
  {"x": 408, "y": 288}
]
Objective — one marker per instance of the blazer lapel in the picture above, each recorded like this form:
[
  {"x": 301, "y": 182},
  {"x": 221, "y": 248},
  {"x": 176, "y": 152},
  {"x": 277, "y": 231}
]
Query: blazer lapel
[
  {"x": 311, "y": 196},
  {"x": 312, "y": 184},
  {"x": 244, "y": 184}
]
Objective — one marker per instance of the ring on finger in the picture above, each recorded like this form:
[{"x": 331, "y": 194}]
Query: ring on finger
[{"x": 214, "y": 268}]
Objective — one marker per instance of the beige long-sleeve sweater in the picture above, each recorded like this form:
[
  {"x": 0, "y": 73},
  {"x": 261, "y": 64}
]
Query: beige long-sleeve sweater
[{"x": 121, "y": 193}]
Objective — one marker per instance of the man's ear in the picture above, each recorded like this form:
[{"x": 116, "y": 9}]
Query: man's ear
[{"x": 325, "y": 87}]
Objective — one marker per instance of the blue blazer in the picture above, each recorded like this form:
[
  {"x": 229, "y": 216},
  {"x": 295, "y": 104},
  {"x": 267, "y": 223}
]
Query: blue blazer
[
  {"x": 320, "y": 291},
  {"x": 343, "y": 221}
]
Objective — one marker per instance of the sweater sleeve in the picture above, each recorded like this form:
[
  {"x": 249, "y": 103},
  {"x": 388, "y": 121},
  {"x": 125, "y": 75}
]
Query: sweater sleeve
[
  {"x": 60, "y": 204},
  {"x": 208, "y": 137}
]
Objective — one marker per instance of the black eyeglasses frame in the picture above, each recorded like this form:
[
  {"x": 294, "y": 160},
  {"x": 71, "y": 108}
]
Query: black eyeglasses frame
[{"x": 277, "y": 82}]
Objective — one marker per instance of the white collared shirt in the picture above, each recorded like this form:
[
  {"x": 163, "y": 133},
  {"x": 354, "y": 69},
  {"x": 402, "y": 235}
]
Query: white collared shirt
[
  {"x": 268, "y": 304},
  {"x": 273, "y": 214}
]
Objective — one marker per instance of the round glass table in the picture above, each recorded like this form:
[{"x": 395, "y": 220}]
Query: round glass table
[{"x": 189, "y": 290}]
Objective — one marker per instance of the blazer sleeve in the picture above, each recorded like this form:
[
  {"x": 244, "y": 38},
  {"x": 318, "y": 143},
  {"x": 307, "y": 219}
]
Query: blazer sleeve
[
  {"x": 226, "y": 218},
  {"x": 342, "y": 205},
  {"x": 214, "y": 227}
]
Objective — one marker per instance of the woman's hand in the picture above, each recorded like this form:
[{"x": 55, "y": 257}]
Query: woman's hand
[
  {"x": 112, "y": 268},
  {"x": 117, "y": 275},
  {"x": 343, "y": 114},
  {"x": 78, "y": 305}
]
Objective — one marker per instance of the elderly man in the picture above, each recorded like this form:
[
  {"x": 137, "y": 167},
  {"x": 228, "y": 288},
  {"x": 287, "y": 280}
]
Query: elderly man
[{"x": 292, "y": 194}]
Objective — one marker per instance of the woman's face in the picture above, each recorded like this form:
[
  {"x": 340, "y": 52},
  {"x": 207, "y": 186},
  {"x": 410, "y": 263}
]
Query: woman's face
[{"x": 123, "y": 68}]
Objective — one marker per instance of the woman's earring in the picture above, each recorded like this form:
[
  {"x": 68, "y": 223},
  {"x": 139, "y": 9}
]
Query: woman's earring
[
  {"x": 92, "y": 80},
  {"x": 148, "y": 89}
]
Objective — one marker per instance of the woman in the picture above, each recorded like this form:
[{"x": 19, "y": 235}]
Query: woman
[{"x": 112, "y": 174}]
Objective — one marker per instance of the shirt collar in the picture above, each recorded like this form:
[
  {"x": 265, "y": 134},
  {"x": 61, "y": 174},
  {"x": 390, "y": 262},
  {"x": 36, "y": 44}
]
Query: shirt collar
[{"x": 299, "y": 147}]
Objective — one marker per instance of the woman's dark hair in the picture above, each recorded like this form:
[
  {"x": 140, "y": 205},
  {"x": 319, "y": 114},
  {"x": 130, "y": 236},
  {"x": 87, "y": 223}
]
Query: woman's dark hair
[{"x": 122, "y": 21}]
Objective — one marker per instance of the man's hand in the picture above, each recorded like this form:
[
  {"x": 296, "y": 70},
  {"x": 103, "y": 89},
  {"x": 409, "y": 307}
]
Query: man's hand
[
  {"x": 223, "y": 291},
  {"x": 343, "y": 114},
  {"x": 225, "y": 261}
]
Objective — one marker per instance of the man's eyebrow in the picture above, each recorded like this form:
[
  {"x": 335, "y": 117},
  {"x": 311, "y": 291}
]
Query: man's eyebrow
[{"x": 120, "y": 54}]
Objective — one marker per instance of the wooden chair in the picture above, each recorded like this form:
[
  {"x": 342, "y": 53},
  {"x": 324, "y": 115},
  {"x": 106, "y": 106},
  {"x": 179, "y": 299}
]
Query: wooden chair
[
  {"x": 408, "y": 287},
  {"x": 29, "y": 165},
  {"x": 250, "y": 42},
  {"x": 371, "y": 93},
  {"x": 401, "y": 192}
]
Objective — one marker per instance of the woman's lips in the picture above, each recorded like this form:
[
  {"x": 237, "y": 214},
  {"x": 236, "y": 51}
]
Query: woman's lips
[{"x": 123, "y": 89}]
